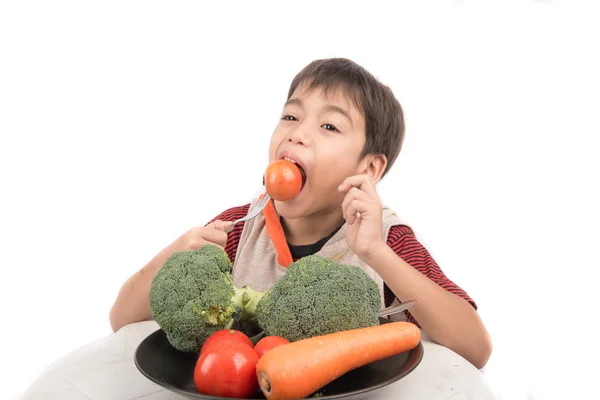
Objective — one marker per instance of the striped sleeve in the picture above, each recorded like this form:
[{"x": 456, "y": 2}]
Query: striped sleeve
[
  {"x": 233, "y": 238},
  {"x": 402, "y": 240}
]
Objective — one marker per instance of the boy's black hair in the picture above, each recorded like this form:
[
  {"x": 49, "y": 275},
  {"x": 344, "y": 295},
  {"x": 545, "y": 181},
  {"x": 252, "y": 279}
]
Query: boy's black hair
[{"x": 384, "y": 118}]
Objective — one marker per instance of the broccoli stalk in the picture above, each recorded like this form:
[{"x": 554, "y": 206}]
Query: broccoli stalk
[
  {"x": 243, "y": 302},
  {"x": 246, "y": 299}
]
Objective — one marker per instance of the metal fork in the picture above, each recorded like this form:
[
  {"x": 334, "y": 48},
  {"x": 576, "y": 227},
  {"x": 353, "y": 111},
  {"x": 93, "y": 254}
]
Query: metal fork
[
  {"x": 262, "y": 203},
  {"x": 396, "y": 309}
]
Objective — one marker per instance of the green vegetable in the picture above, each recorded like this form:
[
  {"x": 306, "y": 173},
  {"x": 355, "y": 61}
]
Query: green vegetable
[
  {"x": 318, "y": 296},
  {"x": 192, "y": 296}
]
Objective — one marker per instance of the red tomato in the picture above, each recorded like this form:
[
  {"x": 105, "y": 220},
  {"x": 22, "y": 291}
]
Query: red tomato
[
  {"x": 283, "y": 180},
  {"x": 226, "y": 338},
  {"x": 267, "y": 343},
  {"x": 227, "y": 372}
]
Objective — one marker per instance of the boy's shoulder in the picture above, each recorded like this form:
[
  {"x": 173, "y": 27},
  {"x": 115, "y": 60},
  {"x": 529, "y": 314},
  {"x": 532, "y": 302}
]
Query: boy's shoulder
[{"x": 397, "y": 231}]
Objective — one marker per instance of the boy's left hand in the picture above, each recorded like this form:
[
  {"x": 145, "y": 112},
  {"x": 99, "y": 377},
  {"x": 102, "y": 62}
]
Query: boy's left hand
[{"x": 362, "y": 210}]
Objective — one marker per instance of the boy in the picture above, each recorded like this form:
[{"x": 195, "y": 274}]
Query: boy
[{"x": 345, "y": 130}]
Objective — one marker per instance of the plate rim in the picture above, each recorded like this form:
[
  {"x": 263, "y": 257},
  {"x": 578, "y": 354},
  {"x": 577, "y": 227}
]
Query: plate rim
[{"x": 419, "y": 349}]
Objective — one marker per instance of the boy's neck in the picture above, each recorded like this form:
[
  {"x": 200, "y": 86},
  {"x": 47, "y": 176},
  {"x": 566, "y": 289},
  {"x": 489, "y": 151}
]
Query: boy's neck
[{"x": 303, "y": 231}]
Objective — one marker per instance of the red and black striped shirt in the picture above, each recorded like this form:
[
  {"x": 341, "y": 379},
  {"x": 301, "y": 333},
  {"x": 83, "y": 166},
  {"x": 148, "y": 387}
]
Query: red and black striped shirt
[{"x": 400, "y": 238}]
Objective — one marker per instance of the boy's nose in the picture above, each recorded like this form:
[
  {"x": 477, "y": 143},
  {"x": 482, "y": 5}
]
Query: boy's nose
[{"x": 298, "y": 137}]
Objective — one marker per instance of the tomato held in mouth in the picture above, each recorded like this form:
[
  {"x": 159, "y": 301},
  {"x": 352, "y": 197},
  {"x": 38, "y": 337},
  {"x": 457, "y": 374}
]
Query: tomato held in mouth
[{"x": 283, "y": 180}]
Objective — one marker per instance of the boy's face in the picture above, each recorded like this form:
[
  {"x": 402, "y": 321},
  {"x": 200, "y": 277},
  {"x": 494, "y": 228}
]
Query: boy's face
[{"x": 325, "y": 135}]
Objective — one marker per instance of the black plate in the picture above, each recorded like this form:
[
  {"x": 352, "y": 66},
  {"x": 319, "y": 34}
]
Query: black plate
[{"x": 174, "y": 370}]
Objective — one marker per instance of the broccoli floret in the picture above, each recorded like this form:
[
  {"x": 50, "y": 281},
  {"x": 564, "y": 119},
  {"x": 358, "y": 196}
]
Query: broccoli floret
[
  {"x": 317, "y": 296},
  {"x": 192, "y": 296}
]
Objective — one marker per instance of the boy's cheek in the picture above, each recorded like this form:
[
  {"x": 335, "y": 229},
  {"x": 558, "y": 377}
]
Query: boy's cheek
[
  {"x": 273, "y": 147},
  {"x": 272, "y": 152}
]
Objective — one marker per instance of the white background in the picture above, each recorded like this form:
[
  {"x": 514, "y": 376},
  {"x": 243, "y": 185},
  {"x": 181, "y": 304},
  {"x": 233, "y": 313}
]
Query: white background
[{"x": 123, "y": 124}]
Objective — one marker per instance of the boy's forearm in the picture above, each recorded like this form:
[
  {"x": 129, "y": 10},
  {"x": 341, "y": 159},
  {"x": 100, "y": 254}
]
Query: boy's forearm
[
  {"x": 132, "y": 303},
  {"x": 448, "y": 319}
]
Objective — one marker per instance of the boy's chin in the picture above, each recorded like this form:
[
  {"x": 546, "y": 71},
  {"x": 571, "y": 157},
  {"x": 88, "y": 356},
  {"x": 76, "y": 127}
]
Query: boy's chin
[
  {"x": 290, "y": 209},
  {"x": 300, "y": 208}
]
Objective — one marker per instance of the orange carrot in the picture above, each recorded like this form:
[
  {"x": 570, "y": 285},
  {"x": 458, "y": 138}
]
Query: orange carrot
[
  {"x": 298, "y": 369},
  {"x": 275, "y": 232}
]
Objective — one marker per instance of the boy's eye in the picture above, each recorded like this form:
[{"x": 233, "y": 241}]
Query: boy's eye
[
  {"x": 330, "y": 127},
  {"x": 289, "y": 118}
]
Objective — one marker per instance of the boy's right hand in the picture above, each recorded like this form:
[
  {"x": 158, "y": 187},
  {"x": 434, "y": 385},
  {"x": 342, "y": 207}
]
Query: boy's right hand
[{"x": 195, "y": 238}]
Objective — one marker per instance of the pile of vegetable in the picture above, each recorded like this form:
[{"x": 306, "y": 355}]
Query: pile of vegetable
[{"x": 319, "y": 321}]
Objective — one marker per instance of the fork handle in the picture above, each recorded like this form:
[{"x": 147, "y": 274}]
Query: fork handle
[{"x": 230, "y": 227}]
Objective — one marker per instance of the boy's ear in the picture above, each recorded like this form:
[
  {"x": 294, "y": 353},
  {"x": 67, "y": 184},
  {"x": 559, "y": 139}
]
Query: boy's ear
[{"x": 374, "y": 166}]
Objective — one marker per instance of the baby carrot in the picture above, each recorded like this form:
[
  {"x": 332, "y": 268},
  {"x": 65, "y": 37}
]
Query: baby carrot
[
  {"x": 275, "y": 232},
  {"x": 298, "y": 369}
]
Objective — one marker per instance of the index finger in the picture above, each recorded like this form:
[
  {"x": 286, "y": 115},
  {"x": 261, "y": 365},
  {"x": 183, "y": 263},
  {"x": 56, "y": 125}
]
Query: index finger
[
  {"x": 362, "y": 182},
  {"x": 215, "y": 236},
  {"x": 221, "y": 225}
]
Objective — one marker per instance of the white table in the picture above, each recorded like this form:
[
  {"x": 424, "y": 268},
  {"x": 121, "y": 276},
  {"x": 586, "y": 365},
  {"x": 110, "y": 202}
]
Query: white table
[{"x": 105, "y": 370}]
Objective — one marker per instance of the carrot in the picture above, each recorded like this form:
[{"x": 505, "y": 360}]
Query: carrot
[
  {"x": 275, "y": 232},
  {"x": 298, "y": 369}
]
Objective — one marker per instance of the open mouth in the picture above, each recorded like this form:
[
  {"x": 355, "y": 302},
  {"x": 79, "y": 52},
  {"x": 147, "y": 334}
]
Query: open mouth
[{"x": 302, "y": 172}]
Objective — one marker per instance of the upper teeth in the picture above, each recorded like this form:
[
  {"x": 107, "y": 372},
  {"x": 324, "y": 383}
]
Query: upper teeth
[{"x": 289, "y": 159}]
